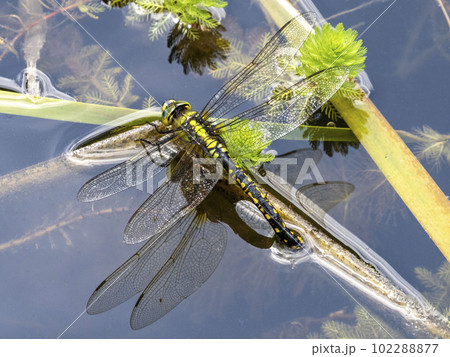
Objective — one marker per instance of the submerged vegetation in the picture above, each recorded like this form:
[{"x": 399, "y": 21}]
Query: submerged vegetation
[
  {"x": 432, "y": 146},
  {"x": 195, "y": 54},
  {"x": 192, "y": 14},
  {"x": 195, "y": 25},
  {"x": 16, "y": 21},
  {"x": 368, "y": 325},
  {"x": 438, "y": 287},
  {"x": 97, "y": 80},
  {"x": 329, "y": 47}
]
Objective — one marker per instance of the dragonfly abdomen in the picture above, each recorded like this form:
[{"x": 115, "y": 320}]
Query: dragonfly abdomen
[
  {"x": 252, "y": 190},
  {"x": 215, "y": 149}
]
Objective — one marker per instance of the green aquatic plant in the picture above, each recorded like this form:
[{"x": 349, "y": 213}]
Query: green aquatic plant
[
  {"x": 187, "y": 12},
  {"x": 438, "y": 285},
  {"x": 368, "y": 325},
  {"x": 330, "y": 47},
  {"x": 245, "y": 148},
  {"x": 196, "y": 54},
  {"x": 118, "y": 3},
  {"x": 195, "y": 36},
  {"x": 96, "y": 80}
]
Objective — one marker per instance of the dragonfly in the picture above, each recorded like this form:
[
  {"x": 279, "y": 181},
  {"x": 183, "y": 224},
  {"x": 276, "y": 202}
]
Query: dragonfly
[{"x": 189, "y": 135}]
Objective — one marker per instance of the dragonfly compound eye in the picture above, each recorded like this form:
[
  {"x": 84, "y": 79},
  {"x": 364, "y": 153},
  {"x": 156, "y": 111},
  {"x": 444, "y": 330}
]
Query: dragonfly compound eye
[
  {"x": 167, "y": 112},
  {"x": 172, "y": 109}
]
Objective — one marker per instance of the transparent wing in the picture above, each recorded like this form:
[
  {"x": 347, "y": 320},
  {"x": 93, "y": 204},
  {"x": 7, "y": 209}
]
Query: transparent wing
[
  {"x": 191, "y": 264},
  {"x": 130, "y": 173},
  {"x": 293, "y": 167},
  {"x": 288, "y": 109},
  {"x": 265, "y": 68},
  {"x": 254, "y": 218},
  {"x": 173, "y": 200},
  {"x": 137, "y": 272},
  {"x": 134, "y": 275},
  {"x": 286, "y": 175},
  {"x": 319, "y": 198}
]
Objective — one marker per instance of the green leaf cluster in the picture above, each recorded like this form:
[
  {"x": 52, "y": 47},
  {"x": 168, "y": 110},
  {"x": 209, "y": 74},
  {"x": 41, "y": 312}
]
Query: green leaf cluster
[
  {"x": 329, "y": 47},
  {"x": 191, "y": 13},
  {"x": 236, "y": 60},
  {"x": 244, "y": 145},
  {"x": 188, "y": 11}
]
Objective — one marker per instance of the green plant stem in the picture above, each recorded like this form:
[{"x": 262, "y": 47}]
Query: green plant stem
[
  {"x": 117, "y": 147},
  {"x": 411, "y": 181},
  {"x": 49, "y": 108}
]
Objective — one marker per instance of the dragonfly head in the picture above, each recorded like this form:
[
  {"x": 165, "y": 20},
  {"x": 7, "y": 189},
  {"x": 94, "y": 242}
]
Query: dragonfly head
[{"x": 171, "y": 109}]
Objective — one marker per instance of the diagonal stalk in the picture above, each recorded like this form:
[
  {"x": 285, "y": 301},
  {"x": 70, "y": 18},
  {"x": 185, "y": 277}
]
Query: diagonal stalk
[{"x": 407, "y": 176}]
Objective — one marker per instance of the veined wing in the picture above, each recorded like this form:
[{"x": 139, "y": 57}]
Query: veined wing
[
  {"x": 191, "y": 264},
  {"x": 288, "y": 109},
  {"x": 132, "y": 172},
  {"x": 195, "y": 232},
  {"x": 265, "y": 68},
  {"x": 135, "y": 274},
  {"x": 319, "y": 198},
  {"x": 171, "y": 201}
]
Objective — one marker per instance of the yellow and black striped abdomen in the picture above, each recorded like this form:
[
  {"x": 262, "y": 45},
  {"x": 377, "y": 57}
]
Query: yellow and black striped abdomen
[
  {"x": 286, "y": 236},
  {"x": 215, "y": 149}
]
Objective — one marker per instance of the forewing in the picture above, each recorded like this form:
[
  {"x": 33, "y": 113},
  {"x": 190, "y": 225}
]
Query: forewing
[
  {"x": 288, "y": 109},
  {"x": 171, "y": 201},
  {"x": 130, "y": 173},
  {"x": 191, "y": 264},
  {"x": 265, "y": 68},
  {"x": 136, "y": 273}
]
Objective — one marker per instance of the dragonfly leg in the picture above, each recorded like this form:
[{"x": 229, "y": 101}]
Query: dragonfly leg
[
  {"x": 157, "y": 143},
  {"x": 159, "y": 131},
  {"x": 142, "y": 141}
]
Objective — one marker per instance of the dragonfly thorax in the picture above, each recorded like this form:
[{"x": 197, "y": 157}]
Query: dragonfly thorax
[{"x": 172, "y": 109}]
